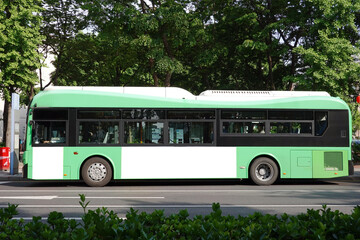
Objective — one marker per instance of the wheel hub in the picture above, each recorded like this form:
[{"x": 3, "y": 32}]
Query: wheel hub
[
  {"x": 97, "y": 171},
  {"x": 264, "y": 172}
]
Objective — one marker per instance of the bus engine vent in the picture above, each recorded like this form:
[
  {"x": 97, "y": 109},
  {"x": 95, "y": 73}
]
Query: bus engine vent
[
  {"x": 257, "y": 94},
  {"x": 233, "y": 92},
  {"x": 333, "y": 161}
]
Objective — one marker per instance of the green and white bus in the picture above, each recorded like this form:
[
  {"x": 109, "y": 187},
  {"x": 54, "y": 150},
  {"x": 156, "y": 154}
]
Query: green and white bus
[{"x": 99, "y": 134}]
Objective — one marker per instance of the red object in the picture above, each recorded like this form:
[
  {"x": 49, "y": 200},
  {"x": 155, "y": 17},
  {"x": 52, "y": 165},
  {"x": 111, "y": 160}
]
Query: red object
[
  {"x": 4, "y": 158},
  {"x": 358, "y": 99}
]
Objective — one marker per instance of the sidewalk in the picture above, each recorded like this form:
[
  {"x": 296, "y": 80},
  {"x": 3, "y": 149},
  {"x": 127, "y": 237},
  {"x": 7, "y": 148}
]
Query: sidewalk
[{"x": 5, "y": 175}]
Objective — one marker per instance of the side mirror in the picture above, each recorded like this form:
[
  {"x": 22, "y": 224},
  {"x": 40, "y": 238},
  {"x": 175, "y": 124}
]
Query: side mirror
[{"x": 32, "y": 123}]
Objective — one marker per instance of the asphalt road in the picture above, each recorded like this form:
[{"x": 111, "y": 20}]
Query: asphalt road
[{"x": 235, "y": 197}]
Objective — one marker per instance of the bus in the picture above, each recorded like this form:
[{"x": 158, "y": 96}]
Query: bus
[{"x": 100, "y": 134}]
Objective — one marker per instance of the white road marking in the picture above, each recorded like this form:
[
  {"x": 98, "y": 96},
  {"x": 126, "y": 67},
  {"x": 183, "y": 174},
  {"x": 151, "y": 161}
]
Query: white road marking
[
  {"x": 57, "y": 197},
  {"x": 29, "y": 197},
  {"x": 187, "y": 206},
  {"x": 113, "y": 197},
  {"x": 268, "y": 190}
]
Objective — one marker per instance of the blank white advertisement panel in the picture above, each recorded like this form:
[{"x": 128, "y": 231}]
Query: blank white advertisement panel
[
  {"x": 178, "y": 162},
  {"x": 48, "y": 162}
]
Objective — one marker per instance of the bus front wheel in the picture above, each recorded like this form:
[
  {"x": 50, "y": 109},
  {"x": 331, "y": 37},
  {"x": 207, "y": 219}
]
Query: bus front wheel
[
  {"x": 96, "y": 172},
  {"x": 264, "y": 171}
]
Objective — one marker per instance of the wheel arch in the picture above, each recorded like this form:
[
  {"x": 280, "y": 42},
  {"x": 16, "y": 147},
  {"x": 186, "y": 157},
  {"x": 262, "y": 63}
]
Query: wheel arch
[
  {"x": 99, "y": 156},
  {"x": 270, "y": 156}
]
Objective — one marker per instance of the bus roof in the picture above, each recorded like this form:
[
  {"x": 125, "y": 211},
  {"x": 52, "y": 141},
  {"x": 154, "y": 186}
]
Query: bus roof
[
  {"x": 174, "y": 92},
  {"x": 168, "y": 97}
]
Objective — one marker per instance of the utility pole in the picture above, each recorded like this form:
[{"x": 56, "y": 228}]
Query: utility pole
[{"x": 15, "y": 105}]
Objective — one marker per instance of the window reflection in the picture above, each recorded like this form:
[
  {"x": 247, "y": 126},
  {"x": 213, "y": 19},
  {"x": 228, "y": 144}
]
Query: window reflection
[
  {"x": 188, "y": 114},
  {"x": 49, "y": 133},
  {"x": 99, "y": 132},
  {"x": 147, "y": 114},
  {"x": 92, "y": 114},
  {"x": 321, "y": 123},
  {"x": 290, "y": 128},
  {"x": 244, "y": 127},
  {"x": 255, "y": 115},
  {"x": 291, "y": 115},
  {"x": 144, "y": 132},
  {"x": 191, "y": 132}
]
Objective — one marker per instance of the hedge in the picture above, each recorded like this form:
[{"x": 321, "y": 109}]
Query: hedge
[{"x": 104, "y": 224}]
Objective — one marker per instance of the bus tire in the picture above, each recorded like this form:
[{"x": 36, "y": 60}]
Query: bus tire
[
  {"x": 264, "y": 171},
  {"x": 96, "y": 172}
]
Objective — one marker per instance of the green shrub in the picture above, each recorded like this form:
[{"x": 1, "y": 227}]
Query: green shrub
[
  {"x": 356, "y": 152},
  {"x": 104, "y": 224}
]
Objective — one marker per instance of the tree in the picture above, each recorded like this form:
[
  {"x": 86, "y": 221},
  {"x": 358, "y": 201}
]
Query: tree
[
  {"x": 137, "y": 43},
  {"x": 202, "y": 44},
  {"x": 329, "y": 49},
  {"x": 247, "y": 53},
  {"x": 90, "y": 60},
  {"x": 62, "y": 19},
  {"x": 19, "y": 40}
]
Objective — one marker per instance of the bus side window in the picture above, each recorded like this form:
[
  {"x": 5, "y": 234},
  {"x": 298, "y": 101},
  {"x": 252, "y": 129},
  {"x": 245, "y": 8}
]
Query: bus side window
[
  {"x": 321, "y": 123},
  {"x": 49, "y": 126},
  {"x": 241, "y": 127},
  {"x": 191, "y": 132},
  {"x": 98, "y": 132},
  {"x": 290, "y": 127},
  {"x": 143, "y": 132},
  {"x": 51, "y": 132}
]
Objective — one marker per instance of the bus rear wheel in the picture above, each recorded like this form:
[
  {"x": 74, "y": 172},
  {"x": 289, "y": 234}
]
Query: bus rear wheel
[
  {"x": 264, "y": 171},
  {"x": 96, "y": 172}
]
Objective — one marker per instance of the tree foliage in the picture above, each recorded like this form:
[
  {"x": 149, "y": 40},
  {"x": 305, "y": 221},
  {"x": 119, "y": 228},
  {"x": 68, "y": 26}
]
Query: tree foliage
[
  {"x": 207, "y": 44},
  {"x": 62, "y": 19},
  {"x": 103, "y": 223},
  {"x": 194, "y": 44},
  {"x": 202, "y": 44},
  {"x": 19, "y": 40}
]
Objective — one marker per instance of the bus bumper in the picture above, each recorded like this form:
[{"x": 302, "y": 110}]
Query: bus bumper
[{"x": 351, "y": 167}]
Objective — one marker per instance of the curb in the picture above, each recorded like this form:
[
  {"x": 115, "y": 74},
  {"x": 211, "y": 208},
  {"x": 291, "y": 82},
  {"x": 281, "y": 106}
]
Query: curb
[
  {"x": 12, "y": 178},
  {"x": 5, "y": 176}
]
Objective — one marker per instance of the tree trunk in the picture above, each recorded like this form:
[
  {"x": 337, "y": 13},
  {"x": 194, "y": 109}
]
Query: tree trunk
[
  {"x": 58, "y": 69},
  {"x": 40, "y": 77},
  {"x": 171, "y": 55},
  {"x": 291, "y": 86},
  {"x": 31, "y": 93},
  {"x": 156, "y": 79},
  {"x": 270, "y": 80},
  {"x": 5, "y": 117},
  {"x": 153, "y": 73},
  {"x": 260, "y": 75},
  {"x": 167, "y": 79},
  {"x": 7, "y": 123}
]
